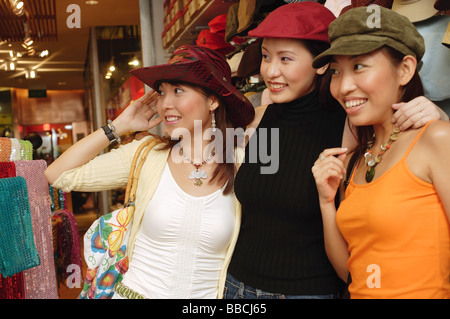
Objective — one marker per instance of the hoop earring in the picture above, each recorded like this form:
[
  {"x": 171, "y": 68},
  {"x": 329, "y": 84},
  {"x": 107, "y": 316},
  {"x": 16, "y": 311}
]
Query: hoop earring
[{"x": 213, "y": 124}]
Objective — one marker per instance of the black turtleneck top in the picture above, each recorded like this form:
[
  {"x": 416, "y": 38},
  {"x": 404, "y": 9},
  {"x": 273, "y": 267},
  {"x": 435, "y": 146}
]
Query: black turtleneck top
[{"x": 280, "y": 248}]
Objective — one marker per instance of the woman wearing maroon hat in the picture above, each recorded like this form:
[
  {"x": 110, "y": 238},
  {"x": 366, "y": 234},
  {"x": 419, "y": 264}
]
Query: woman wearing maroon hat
[
  {"x": 186, "y": 216},
  {"x": 280, "y": 252}
]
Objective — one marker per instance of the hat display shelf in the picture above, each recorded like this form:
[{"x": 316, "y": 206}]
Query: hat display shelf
[
  {"x": 184, "y": 19},
  {"x": 26, "y": 211}
]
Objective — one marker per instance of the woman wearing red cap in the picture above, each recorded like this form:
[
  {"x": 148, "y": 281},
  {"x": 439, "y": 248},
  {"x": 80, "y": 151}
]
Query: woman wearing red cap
[
  {"x": 186, "y": 216},
  {"x": 280, "y": 252},
  {"x": 392, "y": 230}
]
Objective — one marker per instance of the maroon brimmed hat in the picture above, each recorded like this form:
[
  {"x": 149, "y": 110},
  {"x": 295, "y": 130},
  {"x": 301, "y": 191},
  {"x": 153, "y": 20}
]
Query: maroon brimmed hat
[
  {"x": 302, "y": 20},
  {"x": 206, "y": 68}
]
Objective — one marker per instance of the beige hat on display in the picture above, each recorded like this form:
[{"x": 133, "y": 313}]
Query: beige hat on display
[{"x": 415, "y": 10}]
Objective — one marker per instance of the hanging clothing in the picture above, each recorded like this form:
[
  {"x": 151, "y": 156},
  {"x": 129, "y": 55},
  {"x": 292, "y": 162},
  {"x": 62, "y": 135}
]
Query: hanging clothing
[
  {"x": 17, "y": 248},
  {"x": 40, "y": 282}
]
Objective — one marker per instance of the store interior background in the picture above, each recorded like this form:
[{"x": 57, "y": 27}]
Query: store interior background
[{"x": 73, "y": 92}]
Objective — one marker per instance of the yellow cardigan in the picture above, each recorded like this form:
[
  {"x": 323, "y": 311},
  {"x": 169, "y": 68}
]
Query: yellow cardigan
[{"x": 111, "y": 170}]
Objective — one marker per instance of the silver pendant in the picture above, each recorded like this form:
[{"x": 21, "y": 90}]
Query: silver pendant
[{"x": 197, "y": 175}]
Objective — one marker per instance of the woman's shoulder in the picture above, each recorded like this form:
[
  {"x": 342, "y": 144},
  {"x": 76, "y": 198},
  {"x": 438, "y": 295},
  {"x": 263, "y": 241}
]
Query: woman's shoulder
[
  {"x": 434, "y": 138},
  {"x": 259, "y": 113},
  {"x": 437, "y": 132},
  {"x": 129, "y": 149},
  {"x": 251, "y": 128}
]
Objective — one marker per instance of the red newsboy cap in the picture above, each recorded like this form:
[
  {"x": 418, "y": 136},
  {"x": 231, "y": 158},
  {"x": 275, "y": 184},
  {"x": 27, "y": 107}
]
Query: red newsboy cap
[{"x": 301, "y": 20}]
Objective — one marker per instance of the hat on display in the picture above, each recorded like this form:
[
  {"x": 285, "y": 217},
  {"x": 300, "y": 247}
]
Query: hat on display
[
  {"x": 251, "y": 11},
  {"x": 442, "y": 5},
  {"x": 307, "y": 20},
  {"x": 251, "y": 60},
  {"x": 234, "y": 62},
  {"x": 446, "y": 38},
  {"x": 246, "y": 15},
  {"x": 350, "y": 34},
  {"x": 215, "y": 41},
  {"x": 415, "y": 10},
  {"x": 338, "y": 6},
  {"x": 232, "y": 22},
  {"x": 217, "y": 24},
  {"x": 206, "y": 68}
]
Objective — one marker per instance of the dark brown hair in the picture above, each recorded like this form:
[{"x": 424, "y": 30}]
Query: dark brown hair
[
  {"x": 225, "y": 170},
  {"x": 322, "y": 82}
]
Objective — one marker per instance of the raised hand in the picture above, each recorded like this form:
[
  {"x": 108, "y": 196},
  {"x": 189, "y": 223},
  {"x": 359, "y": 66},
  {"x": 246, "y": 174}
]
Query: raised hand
[
  {"x": 138, "y": 116},
  {"x": 416, "y": 113},
  {"x": 328, "y": 171}
]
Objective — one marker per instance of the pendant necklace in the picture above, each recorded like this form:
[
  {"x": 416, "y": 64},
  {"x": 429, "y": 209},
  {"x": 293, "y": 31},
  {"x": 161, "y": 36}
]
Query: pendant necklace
[
  {"x": 197, "y": 174},
  {"x": 371, "y": 161}
]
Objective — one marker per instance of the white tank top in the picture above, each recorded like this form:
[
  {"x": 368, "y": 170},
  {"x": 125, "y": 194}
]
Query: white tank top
[{"x": 182, "y": 242}]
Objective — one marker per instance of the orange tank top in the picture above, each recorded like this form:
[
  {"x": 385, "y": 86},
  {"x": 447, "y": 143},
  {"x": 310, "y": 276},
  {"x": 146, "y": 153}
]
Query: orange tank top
[{"x": 398, "y": 236}]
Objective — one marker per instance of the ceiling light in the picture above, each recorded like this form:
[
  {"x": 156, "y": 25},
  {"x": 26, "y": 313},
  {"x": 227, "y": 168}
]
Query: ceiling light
[
  {"x": 30, "y": 74},
  {"x": 31, "y": 51},
  {"x": 10, "y": 66},
  {"x": 134, "y": 62},
  {"x": 28, "y": 41},
  {"x": 112, "y": 68},
  {"x": 91, "y": 2},
  {"x": 43, "y": 53}
]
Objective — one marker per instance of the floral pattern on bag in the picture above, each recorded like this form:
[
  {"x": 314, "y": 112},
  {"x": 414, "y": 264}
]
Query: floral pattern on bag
[{"x": 106, "y": 265}]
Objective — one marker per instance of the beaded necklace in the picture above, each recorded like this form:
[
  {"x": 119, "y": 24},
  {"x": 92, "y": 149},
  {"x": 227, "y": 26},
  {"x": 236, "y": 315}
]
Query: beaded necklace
[
  {"x": 371, "y": 161},
  {"x": 197, "y": 174}
]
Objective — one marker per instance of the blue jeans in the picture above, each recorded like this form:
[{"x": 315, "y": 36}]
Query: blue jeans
[{"x": 234, "y": 289}]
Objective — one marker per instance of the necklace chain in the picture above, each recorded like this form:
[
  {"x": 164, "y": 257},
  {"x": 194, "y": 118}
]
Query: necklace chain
[
  {"x": 372, "y": 161},
  {"x": 197, "y": 174}
]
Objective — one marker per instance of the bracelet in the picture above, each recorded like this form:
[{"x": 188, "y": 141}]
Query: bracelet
[
  {"x": 113, "y": 130},
  {"x": 112, "y": 139}
]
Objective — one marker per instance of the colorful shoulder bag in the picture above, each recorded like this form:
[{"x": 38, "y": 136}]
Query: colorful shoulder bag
[{"x": 105, "y": 242}]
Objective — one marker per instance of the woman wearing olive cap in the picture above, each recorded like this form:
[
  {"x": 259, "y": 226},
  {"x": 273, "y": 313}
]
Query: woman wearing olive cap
[{"x": 394, "y": 219}]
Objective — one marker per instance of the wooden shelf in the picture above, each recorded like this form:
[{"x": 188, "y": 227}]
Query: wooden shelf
[{"x": 191, "y": 30}]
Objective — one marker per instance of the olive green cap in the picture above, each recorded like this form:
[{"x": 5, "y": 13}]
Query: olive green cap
[{"x": 365, "y": 29}]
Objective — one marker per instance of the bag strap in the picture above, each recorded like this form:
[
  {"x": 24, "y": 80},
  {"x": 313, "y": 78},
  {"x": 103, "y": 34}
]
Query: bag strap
[{"x": 133, "y": 179}]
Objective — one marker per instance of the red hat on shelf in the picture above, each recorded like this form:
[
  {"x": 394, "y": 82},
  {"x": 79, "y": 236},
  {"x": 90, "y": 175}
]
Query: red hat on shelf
[
  {"x": 302, "y": 20},
  {"x": 218, "y": 24},
  {"x": 215, "y": 41},
  {"x": 206, "y": 68}
]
